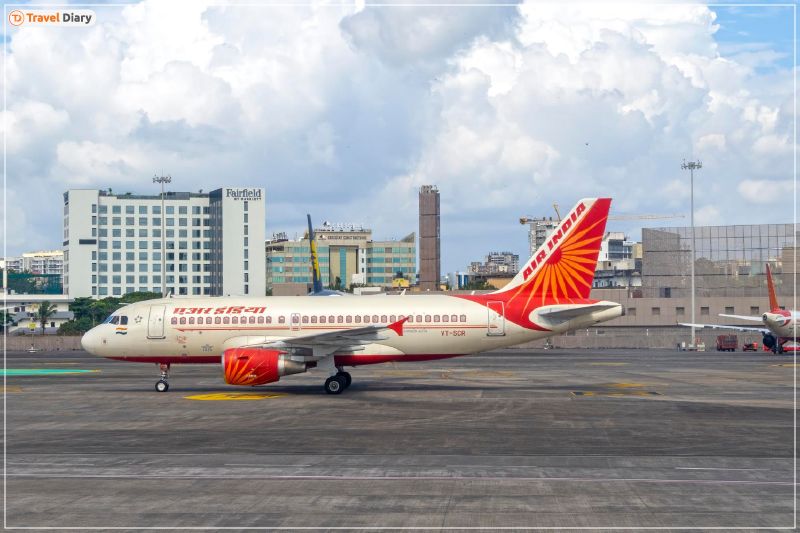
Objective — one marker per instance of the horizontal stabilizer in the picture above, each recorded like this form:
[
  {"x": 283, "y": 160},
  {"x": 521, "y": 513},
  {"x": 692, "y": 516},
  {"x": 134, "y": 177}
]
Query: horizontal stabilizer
[{"x": 566, "y": 313}]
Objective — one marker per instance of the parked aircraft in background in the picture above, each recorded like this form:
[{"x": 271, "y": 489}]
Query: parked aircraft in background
[
  {"x": 258, "y": 340},
  {"x": 778, "y": 324}
]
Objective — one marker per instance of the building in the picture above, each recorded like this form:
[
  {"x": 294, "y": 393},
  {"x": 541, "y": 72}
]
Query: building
[
  {"x": 17, "y": 264},
  {"x": 495, "y": 262},
  {"x": 347, "y": 255},
  {"x": 539, "y": 229},
  {"x": 24, "y": 307},
  {"x": 113, "y": 243},
  {"x": 430, "y": 253},
  {"x": 730, "y": 261},
  {"x": 615, "y": 247}
]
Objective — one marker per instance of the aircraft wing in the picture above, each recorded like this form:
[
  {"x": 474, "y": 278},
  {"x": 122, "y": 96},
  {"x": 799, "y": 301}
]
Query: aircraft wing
[
  {"x": 567, "y": 313},
  {"x": 717, "y": 326},
  {"x": 354, "y": 339},
  {"x": 742, "y": 317}
]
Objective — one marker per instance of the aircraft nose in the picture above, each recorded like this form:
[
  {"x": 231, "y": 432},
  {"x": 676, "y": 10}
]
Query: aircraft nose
[{"x": 88, "y": 340}]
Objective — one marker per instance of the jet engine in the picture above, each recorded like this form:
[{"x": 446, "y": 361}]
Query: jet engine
[
  {"x": 255, "y": 366},
  {"x": 769, "y": 340}
]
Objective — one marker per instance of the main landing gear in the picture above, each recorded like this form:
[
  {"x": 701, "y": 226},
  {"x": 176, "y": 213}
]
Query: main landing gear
[
  {"x": 336, "y": 384},
  {"x": 162, "y": 385}
]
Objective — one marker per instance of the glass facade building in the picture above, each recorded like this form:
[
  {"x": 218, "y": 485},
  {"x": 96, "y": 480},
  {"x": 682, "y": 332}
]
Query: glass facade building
[{"x": 730, "y": 261}]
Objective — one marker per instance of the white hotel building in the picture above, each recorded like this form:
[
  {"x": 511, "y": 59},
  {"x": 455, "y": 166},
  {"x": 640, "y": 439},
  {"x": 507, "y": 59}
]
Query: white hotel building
[{"x": 213, "y": 243}]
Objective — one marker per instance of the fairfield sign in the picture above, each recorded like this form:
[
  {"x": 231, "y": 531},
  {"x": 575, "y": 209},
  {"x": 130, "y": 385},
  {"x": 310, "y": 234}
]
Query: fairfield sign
[
  {"x": 42, "y": 18},
  {"x": 243, "y": 194}
]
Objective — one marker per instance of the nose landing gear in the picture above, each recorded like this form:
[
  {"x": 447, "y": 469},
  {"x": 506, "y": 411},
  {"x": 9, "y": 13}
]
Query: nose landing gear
[{"x": 162, "y": 385}]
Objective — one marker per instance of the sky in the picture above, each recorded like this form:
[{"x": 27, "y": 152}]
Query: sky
[{"x": 343, "y": 111}]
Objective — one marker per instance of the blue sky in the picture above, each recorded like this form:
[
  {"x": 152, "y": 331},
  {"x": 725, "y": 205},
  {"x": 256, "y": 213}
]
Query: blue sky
[{"x": 343, "y": 112}]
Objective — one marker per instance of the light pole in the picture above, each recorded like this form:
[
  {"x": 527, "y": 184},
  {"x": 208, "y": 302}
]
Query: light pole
[
  {"x": 162, "y": 180},
  {"x": 692, "y": 165}
]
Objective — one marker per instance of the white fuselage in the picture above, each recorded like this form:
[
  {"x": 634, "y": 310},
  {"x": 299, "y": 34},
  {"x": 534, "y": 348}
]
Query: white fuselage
[{"x": 198, "y": 330}]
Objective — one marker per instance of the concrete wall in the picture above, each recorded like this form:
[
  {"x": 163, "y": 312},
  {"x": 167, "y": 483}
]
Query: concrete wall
[{"x": 46, "y": 343}]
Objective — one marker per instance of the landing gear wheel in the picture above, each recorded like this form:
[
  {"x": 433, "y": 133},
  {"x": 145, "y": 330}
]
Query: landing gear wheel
[
  {"x": 347, "y": 378},
  {"x": 335, "y": 384},
  {"x": 779, "y": 347},
  {"x": 162, "y": 386}
]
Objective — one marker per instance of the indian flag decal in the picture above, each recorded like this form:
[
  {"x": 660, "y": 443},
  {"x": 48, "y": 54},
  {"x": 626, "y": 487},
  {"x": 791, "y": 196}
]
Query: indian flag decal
[{"x": 122, "y": 331}]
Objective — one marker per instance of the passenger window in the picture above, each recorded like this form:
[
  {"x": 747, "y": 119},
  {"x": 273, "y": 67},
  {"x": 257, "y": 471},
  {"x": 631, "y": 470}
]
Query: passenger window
[
  {"x": 383, "y": 319},
  {"x": 454, "y": 318},
  {"x": 419, "y": 318},
  {"x": 295, "y": 319},
  {"x": 445, "y": 318},
  {"x": 358, "y": 319},
  {"x": 226, "y": 320},
  {"x": 331, "y": 319},
  {"x": 374, "y": 319},
  {"x": 305, "y": 319},
  {"x": 314, "y": 319},
  {"x": 340, "y": 319},
  {"x": 392, "y": 319},
  {"x": 322, "y": 320},
  {"x": 173, "y": 321},
  {"x": 261, "y": 320},
  {"x": 436, "y": 318},
  {"x": 217, "y": 320},
  {"x": 366, "y": 319},
  {"x": 191, "y": 320},
  {"x": 269, "y": 320},
  {"x": 208, "y": 320},
  {"x": 427, "y": 318},
  {"x": 349, "y": 319},
  {"x": 281, "y": 319},
  {"x": 252, "y": 320},
  {"x": 463, "y": 318}
]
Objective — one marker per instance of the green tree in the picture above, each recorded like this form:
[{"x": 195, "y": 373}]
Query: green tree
[
  {"x": 479, "y": 286},
  {"x": 7, "y": 318},
  {"x": 76, "y": 327},
  {"x": 46, "y": 310}
]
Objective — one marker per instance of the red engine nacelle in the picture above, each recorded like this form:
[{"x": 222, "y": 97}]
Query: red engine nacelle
[{"x": 253, "y": 366}]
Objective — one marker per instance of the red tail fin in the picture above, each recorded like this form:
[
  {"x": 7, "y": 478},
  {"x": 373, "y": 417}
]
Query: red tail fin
[
  {"x": 773, "y": 301},
  {"x": 563, "y": 268}
]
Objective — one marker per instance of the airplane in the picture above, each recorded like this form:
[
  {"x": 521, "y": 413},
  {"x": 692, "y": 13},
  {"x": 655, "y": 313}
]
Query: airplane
[
  {"x": 779, "y": 324},
  {"x": 316, "y": 278},
  {"x": 258, "y": 340}
]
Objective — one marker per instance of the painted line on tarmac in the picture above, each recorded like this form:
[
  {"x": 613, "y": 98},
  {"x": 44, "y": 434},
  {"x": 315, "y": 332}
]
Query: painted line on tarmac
[
  {"x": 711, "y": 468},
  {"x": 602, "y": 364},
  {"x": 268, "y": 466},
  {"x": 11, "y": 389},
  {"x": 631, "y": 393},
  {"x": 42, "y": 371},
  {"x": 222, "y": 396},
  {"x": 413, "y": 478}
]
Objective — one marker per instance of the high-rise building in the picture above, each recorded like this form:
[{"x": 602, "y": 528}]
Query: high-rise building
[
  {"x": 212, "y": 243},
  {"x": 540, "y": 230},
  {"x": 430, "y": 253}
]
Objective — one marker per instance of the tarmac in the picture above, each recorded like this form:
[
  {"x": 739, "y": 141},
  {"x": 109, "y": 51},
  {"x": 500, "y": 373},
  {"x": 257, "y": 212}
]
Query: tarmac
[{"x": 512, "y": 438}]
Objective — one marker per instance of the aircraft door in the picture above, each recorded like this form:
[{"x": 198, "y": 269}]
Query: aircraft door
[
  {"x": 155, "y": 323},
  {"x": 497, "y": 322},
  {"x": 295, "y": 322}
]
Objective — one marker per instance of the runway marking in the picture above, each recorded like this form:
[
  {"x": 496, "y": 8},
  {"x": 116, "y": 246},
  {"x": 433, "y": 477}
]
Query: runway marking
[
  {"x": 409, "y": 478},
  {"x": 268, "y": 466},
  {"x": 220, "y": 396},
  {"x": 42, "y": 371},
  {"x": 55, "y": 363},
  {"x": 489, "y": 374},
  {"x": 11, "y": 389},
  {"x": 710, "y": 468},
  {"x": 399, "y": 373},
  {"x": 602, "y": 364},
  {"x": 788, "y": 364},
  {"x": 631, "y": 393}
]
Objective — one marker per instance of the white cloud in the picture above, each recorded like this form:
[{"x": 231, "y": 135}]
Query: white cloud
[
  {"x": 708, "y": 215},
  {"x": 507, "y": 110},
  {"x": 765, "y": 191}
]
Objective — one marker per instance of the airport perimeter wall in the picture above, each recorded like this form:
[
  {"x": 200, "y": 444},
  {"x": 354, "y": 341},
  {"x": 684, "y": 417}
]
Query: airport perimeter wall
[{"x": 47, "y": 343}]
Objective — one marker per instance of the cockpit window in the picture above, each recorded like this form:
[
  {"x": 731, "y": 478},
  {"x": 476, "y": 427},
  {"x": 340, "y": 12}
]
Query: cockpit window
[
  {"x": 123, "y": 320},
  {"x": 113, "y": 319}
]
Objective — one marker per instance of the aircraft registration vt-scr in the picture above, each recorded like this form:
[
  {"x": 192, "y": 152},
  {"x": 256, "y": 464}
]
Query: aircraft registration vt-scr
[{"x": 258, "y": 340}]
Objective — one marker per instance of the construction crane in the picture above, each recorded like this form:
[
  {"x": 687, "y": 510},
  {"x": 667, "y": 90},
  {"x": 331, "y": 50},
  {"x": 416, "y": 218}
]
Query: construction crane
[{"x": 529, "y": 219}]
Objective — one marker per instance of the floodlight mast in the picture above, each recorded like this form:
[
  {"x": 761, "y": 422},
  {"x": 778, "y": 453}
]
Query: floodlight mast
[
  {"x": 162, "y": 180},
  {"x": 691, "y": 166}
]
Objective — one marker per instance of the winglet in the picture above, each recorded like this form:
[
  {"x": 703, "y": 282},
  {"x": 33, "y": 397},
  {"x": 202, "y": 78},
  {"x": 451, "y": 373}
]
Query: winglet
[
  {"x": 397, "y": 327},
  {"x": 773, "y": 301}
]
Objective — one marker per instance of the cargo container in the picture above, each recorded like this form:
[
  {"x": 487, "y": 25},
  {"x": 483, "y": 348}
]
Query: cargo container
[{"x": 727, "y": 343}]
